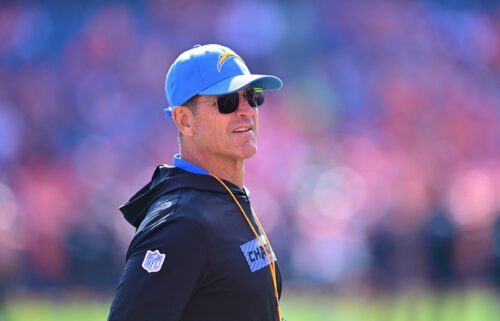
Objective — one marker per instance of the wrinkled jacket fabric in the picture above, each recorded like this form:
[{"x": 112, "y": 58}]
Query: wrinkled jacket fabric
[{"x": 212, "y": 270}]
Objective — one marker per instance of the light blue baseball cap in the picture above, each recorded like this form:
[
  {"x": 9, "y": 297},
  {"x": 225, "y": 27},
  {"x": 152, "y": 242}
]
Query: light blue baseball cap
[{"x": 210, "y": 70}]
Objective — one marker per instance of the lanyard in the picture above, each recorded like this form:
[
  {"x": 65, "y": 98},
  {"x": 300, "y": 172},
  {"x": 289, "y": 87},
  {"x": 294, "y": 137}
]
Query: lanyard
[{"x": 272, "y": 267}]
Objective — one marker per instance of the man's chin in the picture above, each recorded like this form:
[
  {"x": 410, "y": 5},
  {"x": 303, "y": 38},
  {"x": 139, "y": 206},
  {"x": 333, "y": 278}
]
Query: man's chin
[
  {"x": 251, "y": 155},
  {"x": 249, "y": 151}
]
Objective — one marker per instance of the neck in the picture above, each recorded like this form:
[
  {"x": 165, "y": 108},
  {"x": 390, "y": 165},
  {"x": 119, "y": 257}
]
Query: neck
[{"x": 231, "y": 170}]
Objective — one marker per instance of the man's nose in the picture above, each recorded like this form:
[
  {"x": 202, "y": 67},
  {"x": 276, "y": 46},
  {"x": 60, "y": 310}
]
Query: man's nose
[{"x": 244, "y": 109}]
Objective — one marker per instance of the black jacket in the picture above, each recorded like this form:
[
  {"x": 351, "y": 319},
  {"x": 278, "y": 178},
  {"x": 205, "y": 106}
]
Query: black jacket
[{"x": 213, "y": 268}]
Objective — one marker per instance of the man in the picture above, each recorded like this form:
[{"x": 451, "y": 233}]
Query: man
[{"x": 199, "y": 252}]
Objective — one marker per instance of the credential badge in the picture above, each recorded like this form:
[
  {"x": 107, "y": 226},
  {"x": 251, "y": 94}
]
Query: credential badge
[
  {"x": 153, "y": 261},
  {"x": 255, "y": 254}
]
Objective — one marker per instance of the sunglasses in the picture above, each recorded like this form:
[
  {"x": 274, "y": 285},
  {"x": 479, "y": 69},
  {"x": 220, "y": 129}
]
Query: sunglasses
[{"x": 229, "y": 103}]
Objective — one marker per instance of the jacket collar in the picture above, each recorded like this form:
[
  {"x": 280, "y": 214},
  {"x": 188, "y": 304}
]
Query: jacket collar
[{"x": 167, "y": 179}]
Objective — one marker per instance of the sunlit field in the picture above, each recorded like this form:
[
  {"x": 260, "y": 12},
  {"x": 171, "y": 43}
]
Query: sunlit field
[{"x": 477, "y": 305}]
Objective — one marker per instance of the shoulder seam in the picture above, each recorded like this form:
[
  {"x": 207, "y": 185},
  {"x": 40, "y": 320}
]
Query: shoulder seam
[{"x": 142, "y": 232}]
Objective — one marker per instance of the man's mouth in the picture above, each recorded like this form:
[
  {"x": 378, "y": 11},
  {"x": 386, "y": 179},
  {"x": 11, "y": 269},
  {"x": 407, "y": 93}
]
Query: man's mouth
[{"x": 242, "y": 129}]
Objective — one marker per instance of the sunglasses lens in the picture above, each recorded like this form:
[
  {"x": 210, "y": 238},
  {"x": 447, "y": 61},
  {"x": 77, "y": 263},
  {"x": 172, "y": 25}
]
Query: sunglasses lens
[
  {"x": 255, "y": 97},
  {"x": 228, "y": 103}
]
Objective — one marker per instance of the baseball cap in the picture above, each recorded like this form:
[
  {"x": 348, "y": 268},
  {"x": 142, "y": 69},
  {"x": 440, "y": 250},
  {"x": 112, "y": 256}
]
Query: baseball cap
[{"x": 210, "y": 70}]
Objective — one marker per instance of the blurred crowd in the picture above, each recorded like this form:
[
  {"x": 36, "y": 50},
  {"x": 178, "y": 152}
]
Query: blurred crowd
[{"x": 378, "y": 165}]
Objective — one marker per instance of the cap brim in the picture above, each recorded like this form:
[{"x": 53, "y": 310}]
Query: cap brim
[{"x": 235, "y": 83}]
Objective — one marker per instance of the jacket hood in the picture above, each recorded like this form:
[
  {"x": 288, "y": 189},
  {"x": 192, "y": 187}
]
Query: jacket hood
[{"x": 168, "y": 179}]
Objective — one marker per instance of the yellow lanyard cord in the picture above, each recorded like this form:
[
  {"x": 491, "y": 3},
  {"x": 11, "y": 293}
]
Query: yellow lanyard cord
[
  {"x": 266, "y": 239},
  {"x": 268, "y": 257}
]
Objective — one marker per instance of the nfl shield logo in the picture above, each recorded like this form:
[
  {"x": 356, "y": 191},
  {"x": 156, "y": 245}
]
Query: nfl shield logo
[{"x": 153, "y": 261}]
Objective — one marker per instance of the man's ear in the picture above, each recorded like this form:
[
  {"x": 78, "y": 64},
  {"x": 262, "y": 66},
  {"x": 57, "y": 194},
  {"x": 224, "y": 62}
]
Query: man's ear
[{"x": 184, "y": 120}]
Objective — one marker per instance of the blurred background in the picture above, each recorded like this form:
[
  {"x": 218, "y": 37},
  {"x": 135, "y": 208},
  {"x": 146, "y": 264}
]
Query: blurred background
[{"x": 378, "y": 171}]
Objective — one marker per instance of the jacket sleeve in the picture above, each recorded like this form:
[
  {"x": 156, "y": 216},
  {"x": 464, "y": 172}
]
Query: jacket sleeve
[{"x": 163, "y": 294}]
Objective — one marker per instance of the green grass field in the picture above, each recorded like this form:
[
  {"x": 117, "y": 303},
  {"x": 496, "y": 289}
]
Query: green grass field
[{"x": 471, "y": 306}]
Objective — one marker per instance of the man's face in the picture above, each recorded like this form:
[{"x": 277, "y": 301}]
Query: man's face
[{"x": 231, "y": 136}]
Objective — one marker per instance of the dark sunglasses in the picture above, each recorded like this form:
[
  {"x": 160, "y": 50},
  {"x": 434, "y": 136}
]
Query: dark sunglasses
[{"x": 229, "y": 103}]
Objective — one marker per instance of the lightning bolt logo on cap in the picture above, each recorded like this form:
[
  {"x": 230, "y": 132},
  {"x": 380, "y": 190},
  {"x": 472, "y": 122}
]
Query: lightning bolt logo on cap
[{"x": 224, "y": 57}]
